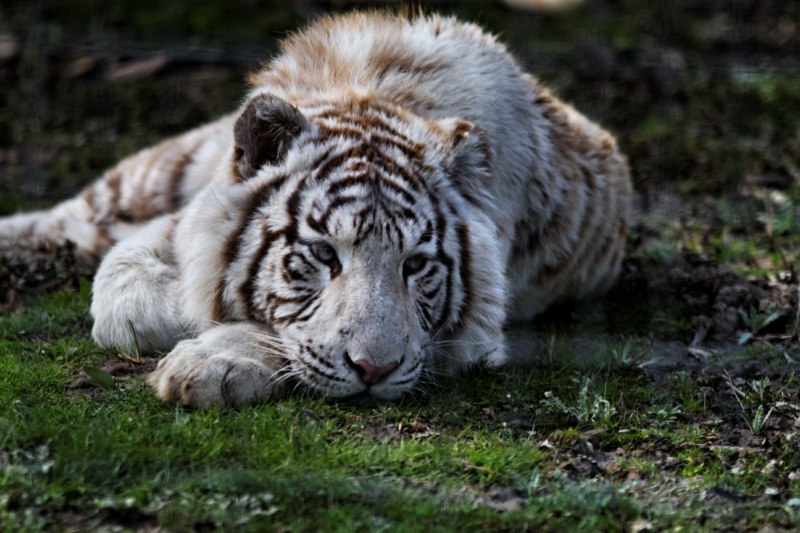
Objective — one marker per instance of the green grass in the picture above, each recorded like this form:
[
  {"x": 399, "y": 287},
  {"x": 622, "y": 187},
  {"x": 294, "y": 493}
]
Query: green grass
[{"x": 489, "y": 451}]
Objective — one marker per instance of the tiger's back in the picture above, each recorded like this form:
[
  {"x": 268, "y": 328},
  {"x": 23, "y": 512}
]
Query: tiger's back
[{"x": 391, "y": 193}]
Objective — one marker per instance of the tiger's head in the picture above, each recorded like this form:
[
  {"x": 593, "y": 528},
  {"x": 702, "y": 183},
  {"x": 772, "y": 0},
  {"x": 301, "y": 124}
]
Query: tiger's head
[{"x": 357, "y": 232}]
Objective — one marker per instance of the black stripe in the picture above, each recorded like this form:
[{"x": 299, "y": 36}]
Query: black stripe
[
  {"x": 428, "y": 295},
  {"x": 333, "y": 206},
  {"x": 350, "y": 181},
  {"x": 260, "y": 197},
  {"x": 290, "y": 272},
  {"x": 300, "y": 317},
  {"x": 464, "y": 269},
  {"x": 396, "y": 188},
  {"x": 320, "y": 372},
  {"x": 247, "y": 288},
  {"x": 316, "y": 357}
]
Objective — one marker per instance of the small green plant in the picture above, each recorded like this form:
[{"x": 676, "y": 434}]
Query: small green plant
[
  {"x": 759, "y": 419},
  {"x": 588, "y": 407},
  {"x": 758, "y": 394},
  {"x": 688, "y": 394},
  {"x": 756, "y": 321},
  {"x": 664, "y": 414},
  {"x": 661, "y": 253},
  {"x": 624, "y": 355}
]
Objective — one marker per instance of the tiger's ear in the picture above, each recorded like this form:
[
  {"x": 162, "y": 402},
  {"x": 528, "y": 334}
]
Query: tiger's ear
[
  {"x": 469, "y": 161},
  {"x": 263, "y": 133}
]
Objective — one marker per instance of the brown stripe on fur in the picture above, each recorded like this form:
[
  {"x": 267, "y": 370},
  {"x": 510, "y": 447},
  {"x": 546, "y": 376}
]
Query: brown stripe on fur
[
  {"x": 412, "y": 151},
  {"x": 113, "y": 181},
  {"x": 326, "y": 167},
  {"x": 274, "y": 302},
  {"x": 89, "y": 197},
  {"x": 388, "y": 60},
  {"x": 601, "y": 253},
  {"x": 553, "y": 227},
  {"x": 260, "y": 197},
  {"x": 426, "y": 235},
  {"x": 376, "y": 124},
  {"x": 347, "y": 132},
  {"x": 289, "y": 274},
  {"x": 377, "y": 127},
  {"x": 168, "y": 256},
  {"x": 176, "y": 177},
  {"x": 369, "y": 150},
  {"x": 145, "y": 207},
  {"x": 219, "y": 311},
  {"x": 567, "y": 263},
  {"x": 424, "y": 312},
  {"x": 429, "y": 294},
  {"x": 293, "y": 211},
  {"x": 590, "y": 242},
  {"x": 320, "y": 372},
  {"x": 365, "y": 225}
]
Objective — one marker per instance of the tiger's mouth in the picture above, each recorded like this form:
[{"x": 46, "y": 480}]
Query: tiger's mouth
[{"x": 354, "y": 385}]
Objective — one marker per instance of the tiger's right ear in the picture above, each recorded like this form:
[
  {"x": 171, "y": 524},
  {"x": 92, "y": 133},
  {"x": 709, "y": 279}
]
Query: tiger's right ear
[{"x": 263, "y": 133}]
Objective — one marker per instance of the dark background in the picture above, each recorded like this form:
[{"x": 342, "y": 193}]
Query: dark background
[{"x": 703, "y": 94}]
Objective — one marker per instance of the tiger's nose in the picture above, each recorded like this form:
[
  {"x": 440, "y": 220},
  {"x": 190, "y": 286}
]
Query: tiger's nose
[{"x": 368, "y": 373}]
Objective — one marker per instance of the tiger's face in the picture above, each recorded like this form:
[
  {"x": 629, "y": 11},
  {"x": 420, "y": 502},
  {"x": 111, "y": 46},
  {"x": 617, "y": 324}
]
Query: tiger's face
[
  {"x": 361, "y": 282},
  {"x": 353, "y": 243}
]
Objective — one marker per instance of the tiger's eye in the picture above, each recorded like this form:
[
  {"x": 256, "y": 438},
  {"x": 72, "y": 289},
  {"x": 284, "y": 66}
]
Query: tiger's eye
[
  {"x": 324, "y": 252},
  {"x": 414, "y": 264}
]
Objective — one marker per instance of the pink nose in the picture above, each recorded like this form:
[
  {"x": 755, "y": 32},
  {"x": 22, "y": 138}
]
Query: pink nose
[{"x": 370, "y": 374}]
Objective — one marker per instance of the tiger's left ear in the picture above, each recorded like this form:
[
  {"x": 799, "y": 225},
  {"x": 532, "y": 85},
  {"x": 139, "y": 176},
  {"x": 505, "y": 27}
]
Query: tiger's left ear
[
  {"x": 263, "y": 133},
  {"x": 469, "y": 161}
]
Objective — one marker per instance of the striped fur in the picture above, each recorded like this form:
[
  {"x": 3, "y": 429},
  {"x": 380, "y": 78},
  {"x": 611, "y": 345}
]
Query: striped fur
[{"x": 391, "y": 193}]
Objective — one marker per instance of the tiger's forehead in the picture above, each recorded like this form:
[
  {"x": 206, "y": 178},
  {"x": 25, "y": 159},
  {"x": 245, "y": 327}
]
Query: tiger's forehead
[
  {"x": 374, "y": 177},
  {"x": 361, "y": 200}
]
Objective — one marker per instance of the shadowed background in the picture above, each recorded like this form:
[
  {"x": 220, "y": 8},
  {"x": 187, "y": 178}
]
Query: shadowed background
[{"x": 704, "y": 95}]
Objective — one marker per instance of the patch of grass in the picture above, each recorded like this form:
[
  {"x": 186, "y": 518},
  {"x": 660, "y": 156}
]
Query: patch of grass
[{"x": 481, "y": 452}]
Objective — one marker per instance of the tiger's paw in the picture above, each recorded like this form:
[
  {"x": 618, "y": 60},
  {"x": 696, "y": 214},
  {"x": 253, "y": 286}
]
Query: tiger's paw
[{"x": 202, "y": 374}]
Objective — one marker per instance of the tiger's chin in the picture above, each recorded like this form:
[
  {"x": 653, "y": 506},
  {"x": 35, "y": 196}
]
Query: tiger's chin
[
  {"x": 358, "y": 391},
  {"x": 366, "y": 397}
]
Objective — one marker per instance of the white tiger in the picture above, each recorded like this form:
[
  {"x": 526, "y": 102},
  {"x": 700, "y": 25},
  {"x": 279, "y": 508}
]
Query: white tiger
[{"x": 390, "y": 194}]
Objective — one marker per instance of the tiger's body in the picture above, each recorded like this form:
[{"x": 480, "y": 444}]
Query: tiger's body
[{"x": 391, "y": 193}]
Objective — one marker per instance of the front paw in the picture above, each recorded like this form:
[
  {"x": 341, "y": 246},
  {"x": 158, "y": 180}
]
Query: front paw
[{"x": 200, "y": 378}]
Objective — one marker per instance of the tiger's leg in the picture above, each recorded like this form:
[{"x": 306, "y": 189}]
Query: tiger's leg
[
  {"x": 150, "y": 183},
  {"x": 135, "y": 292},
  {"x": 231, "y": 364}
]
